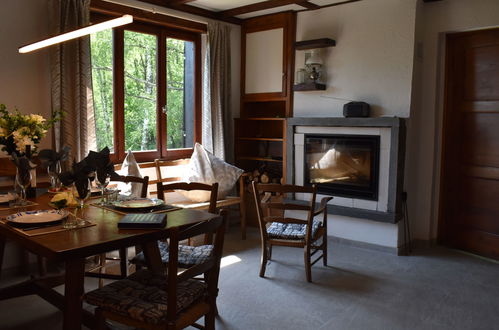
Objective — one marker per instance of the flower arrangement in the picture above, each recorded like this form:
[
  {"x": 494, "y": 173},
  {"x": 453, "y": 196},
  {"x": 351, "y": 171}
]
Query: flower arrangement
[
  {"x": 63, "y": 200},
  {"x": 17, "y": 131}
]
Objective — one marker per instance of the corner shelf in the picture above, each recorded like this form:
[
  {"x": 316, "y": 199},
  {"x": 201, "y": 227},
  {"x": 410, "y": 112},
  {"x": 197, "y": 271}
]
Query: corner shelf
[
  {"x": 316, "y": 43},
  {"x": 310, "y": 86}
]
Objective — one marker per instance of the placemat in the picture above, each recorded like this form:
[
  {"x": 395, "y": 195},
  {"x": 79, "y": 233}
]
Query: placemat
[
  {"x": 7, "y": 207},
  {"x": 47, "y": 229},
  {"x": 159, "y": 209}
]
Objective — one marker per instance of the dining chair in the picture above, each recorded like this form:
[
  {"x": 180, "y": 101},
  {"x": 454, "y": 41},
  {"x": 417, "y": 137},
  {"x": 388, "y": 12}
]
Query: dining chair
[
  {"x": 188, "y": 255},
  {"x": 279, "y": 226},
  {"x": 123, "y": 252},
  {"x": 148, "y": 300}
]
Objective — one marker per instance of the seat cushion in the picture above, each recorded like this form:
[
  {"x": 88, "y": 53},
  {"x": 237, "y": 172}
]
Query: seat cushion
[
  {"x": 143, "y": 296},
  {"x": 291, "y": 230},
  {"x": 187, "y": 255}
]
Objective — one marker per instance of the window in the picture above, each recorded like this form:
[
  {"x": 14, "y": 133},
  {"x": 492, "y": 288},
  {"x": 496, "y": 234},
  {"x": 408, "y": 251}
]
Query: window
[{"x": 146, "y": 84}]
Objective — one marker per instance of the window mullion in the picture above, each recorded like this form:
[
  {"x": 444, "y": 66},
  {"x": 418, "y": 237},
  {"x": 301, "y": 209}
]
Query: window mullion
[
  {"x": 119, "y": 94},
  {"x": 162, "y": 133}
]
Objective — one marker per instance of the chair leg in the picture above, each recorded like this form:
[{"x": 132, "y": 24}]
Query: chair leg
[
  {"x": 2, "y": 250},
  {"x": 100, "y": 321},
  {"x": 270, "y": 252},
  {"x": 42, "y": 265},
  {"x": 123, "y": 262},
  {"x": 308, "y": 267},
  {"x": 242, "y": 215},
  {"x": 324, "y": 251},
  {"x": 264, "y": 259},
  {"x": 102, "y": 265}
]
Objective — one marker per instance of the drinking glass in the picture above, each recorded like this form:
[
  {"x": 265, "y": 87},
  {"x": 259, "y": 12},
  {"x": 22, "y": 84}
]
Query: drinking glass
[
  {"x": 23, "y": 179},
  {"x": 53, "y": 170},
  {"x": 102, "y": 181},
  {"x": 81, "y": 192}
]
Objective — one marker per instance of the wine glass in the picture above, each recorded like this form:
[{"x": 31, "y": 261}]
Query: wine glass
[
  {"x": 81, "y": 192},
  {"x": 53, "y": 170},
  {"x": 23, "y": 179},
  {"x": 102, "y": 181}
]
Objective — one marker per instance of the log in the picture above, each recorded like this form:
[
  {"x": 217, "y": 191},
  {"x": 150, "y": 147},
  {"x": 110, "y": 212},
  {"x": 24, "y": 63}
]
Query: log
[{"x": 264, "y": 178}]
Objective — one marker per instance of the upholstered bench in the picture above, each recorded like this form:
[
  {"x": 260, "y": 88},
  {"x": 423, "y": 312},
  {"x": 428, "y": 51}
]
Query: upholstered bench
[{"x": 171, "y": 171}]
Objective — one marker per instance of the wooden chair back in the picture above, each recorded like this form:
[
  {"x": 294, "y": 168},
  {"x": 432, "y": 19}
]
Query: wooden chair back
[
  {"x": 169, "y": 165},
  {"x": 213, "y": 189},
  {"x": 130, "y": 178},
  {"x": 205, "y": 306}
]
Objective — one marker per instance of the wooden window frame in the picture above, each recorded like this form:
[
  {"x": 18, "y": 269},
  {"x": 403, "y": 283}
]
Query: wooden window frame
[{"x": 161, "y": 33}]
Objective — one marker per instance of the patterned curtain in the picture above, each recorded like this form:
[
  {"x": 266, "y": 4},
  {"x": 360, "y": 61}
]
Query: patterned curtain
[
  {"x": 217, "y": 114},
  {"x": 72, "y": 80}
]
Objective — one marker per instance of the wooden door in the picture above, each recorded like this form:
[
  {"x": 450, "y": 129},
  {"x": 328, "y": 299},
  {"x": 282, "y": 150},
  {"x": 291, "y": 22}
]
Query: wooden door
[{"x": 469, "y": 217}]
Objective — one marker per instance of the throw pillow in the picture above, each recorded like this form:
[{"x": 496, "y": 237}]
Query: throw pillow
[
  {"x": 206, "y": 168},
  {"x": 130, "y": 168}
]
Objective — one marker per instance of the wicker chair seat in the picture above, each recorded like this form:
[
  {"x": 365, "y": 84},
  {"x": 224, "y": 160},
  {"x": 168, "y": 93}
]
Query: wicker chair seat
[
  {"x": 187, "y": 255},
  {"x": 143, "y": 296}
]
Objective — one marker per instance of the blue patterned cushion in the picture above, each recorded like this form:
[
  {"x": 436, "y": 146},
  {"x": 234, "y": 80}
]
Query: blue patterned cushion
[
  {"x": 291, "y": 230},
  {"x": 187, "y": 255},
  {"x": 143, "y": 296}
]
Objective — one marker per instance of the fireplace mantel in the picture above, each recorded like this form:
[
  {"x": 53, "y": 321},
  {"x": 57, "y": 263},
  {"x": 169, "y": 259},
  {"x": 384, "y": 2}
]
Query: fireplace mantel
[{"x": 396, "y": 161}]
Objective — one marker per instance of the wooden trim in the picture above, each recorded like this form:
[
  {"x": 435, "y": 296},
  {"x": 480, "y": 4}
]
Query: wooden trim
[
  {"x": 336, "y": 4},
  {"x": 446, "y": 118},
  {"x": 193, "y": 10},
  {"x": 269, "y": 4},
  {"x": 108, "y": 8},
  {"x": 118, "y": 95},
  {"x": 162, "y": 96}
]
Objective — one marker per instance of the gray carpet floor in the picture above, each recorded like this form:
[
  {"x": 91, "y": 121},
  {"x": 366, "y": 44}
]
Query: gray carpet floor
[{"x": 433, "y": 288}]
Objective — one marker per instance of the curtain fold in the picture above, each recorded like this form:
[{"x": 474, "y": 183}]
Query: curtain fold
[
  {"x": 71, "y": 79},
  {"x": 217, "y": 114}
]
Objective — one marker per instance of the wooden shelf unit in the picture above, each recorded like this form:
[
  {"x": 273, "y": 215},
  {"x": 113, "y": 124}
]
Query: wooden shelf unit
[{"x": 260, "y": 132}]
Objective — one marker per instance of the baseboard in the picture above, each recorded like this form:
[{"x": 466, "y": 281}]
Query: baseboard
[
  {"x": 364, "y": 245},
  {"x": 402, "y": 250}
]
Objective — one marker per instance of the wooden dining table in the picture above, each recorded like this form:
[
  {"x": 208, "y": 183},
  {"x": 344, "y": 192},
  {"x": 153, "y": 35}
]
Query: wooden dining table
[{"x": 72, "y": 246}]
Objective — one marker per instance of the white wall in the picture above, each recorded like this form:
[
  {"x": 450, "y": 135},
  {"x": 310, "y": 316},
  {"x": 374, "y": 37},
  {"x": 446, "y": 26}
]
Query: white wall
[
  {"x": 434, "y": 21},
  {"x": 372, "y": 62},
  {"x": 24, "y": 78}
]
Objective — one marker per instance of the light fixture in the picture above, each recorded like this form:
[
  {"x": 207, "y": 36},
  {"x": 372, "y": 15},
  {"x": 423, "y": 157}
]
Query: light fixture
[
  {"x": 314, "y": 64},
  {"x": 125, "y": 19}
]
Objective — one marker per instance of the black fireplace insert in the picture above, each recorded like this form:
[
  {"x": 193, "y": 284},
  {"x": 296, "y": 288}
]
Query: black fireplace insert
[{"x": 343, "y": 165}]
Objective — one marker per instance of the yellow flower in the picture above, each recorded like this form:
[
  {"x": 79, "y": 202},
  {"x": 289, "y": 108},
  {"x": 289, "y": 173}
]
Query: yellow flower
[
  {"x": 3, "y": 132},
  {"x": 37, "y": 118}
]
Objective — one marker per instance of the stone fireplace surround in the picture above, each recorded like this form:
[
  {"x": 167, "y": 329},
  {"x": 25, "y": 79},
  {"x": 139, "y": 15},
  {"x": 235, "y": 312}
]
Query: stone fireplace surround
[{"x": 392, "y": 137}]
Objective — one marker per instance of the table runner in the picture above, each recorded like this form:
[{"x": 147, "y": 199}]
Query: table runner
[
  {"x": 45, "y": 230},
  {"x": 159, "y": 209}
]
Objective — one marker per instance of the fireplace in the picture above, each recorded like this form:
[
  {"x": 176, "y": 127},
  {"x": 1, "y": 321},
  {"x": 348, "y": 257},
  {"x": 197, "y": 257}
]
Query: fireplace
[{"x": 343, "y": 165}]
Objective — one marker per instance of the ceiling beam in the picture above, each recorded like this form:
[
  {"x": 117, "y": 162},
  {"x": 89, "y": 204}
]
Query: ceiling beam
[
  {"x": 195, "y": 11},
  {"x": 179, "y": 2},
  {"x": 258, "y": 6},
  {"x": 308, "y": 5}
]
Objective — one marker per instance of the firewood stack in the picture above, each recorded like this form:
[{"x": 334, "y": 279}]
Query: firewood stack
[{"x": 262, "y": 175}]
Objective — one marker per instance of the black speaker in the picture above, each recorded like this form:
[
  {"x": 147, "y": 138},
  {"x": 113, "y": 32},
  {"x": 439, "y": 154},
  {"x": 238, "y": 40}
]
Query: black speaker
[{"x": 356, "y": 109}]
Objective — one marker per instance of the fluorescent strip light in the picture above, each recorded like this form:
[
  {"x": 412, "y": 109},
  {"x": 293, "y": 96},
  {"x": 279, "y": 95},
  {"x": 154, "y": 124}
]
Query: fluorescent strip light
[{"x": 125, "y": 19}]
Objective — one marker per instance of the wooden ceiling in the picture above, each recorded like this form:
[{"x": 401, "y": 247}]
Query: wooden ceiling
[{"x": 235, "y": 11}]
